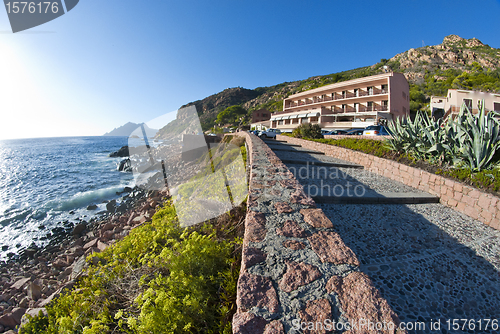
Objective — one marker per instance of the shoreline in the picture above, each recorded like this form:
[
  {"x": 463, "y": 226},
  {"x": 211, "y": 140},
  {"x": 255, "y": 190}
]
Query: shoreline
[{"x": 32, "y": 280}]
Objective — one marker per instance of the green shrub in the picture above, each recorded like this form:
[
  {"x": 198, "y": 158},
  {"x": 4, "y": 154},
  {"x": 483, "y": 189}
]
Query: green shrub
[
  {"x": 307, "y": 130},
  {"x": 370, "y": 146},
  {"x": 159, "y": 279}
]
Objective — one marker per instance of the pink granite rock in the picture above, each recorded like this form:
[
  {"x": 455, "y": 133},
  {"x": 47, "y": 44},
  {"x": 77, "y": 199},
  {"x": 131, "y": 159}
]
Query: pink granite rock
[
  {"x": 255, "y": 230},
  {"x": 251, "y": 256},
  {"x": 361, "y": 300},
  {"x": 298, "y": 274},
  {"x": 255, "y": 290},
  {"x": 282, "y": 207},
  {"x": 330, "y": 248},
  {"x": 294, "y": 244},
  {"x": 299, "y": 197},
  {"x": 274, "y": 327},
  {"x": 316, "y": 218},
  {"x": 292, "y": 229},
  {"x": 314, "y": 316},
  {"x": 248, "y": 323}
]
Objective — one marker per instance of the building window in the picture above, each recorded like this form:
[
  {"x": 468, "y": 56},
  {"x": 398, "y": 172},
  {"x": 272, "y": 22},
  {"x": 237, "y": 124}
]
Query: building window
[
  {"x": 356, "y": 92},
  {"x": 369, "y": 105},
  {"x": 385, "y": 104},
  {"x": 496, "y": 106},
  {"x": 385, "y": 89},
  {"x": 370, "y": 90},
  {"x": 468, "y": 103},
  {"x": 344, "y": 107},
  {"x": 356, "y": 107},
  {"x": 264, "y": 115},
  {"x": 344, "y": 93},
  {"x": 280, "y": 122}
]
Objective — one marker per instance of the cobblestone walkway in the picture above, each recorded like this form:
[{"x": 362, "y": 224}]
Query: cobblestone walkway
[{"x": 431, "y": 263}]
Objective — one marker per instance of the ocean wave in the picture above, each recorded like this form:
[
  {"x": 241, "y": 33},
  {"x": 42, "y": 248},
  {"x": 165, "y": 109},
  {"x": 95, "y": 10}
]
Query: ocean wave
[{"x": 83, "y": 199}]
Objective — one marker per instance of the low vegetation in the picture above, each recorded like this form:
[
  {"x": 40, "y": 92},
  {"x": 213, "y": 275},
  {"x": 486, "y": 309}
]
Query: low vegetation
[
  {"x": 307, "y": 130},
  {"x": 161, "y": 278}
]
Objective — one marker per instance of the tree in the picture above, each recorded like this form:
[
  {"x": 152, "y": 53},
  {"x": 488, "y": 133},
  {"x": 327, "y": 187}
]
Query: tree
[{"x": 231, "y": 115}]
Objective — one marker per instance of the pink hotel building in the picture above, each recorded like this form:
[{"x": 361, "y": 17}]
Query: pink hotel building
[{"x": 356, "y": 103}]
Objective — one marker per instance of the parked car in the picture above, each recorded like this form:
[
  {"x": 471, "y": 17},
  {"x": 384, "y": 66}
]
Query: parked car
[
  {"x": 269, "y": 133},
  {"x": 376, "y": 130},
  {"x": 357, "y": 132},
  {"x": 335, "y": 132}
]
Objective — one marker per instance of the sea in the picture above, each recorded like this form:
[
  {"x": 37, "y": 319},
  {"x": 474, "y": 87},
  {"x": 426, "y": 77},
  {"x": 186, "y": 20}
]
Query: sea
[{"x": 47, "y": 183}]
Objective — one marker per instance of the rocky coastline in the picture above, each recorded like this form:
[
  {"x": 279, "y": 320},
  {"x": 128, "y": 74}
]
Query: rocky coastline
[{"x": 38, "y": 276}]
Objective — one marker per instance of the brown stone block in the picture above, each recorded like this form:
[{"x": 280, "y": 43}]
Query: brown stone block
[
  {"x": 292, "y": 229},
  {"x": 484, "y": 201},
  {"x": 294, "y": 244},
  {"x": 330, "y": 248},
  {"x": 274, "y": 327},
  {"x": 251, "y": 256},
  {"x": 360, "y": 300},
  {"x": 256, "y": 291},
  {"x": 316, "y": 218},
  {"x": 283, "y": 207},
  {"x": 248, "y": 323},
  {"x": 298, "y": 274},
  {"x": 255, "y": 226},
  {"x": 317, "y": 312}
]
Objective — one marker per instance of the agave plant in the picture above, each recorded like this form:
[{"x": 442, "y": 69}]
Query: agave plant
[
  {"x": 468, "y": 139},
  {"x": 476, "y": 136}
]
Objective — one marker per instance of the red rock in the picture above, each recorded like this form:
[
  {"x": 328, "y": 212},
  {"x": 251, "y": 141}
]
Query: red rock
[
  {"x": 294, "y": 244},
  {"x": 108, "y": 235},
  {"x": 102, "y": 245},
  {"x": 35, "y": 289},
  {"x": 317, "y": 312},
  {"x": 298, "y": 274},
  {"x": 90, "y": 244},
  {"x": 330, "y": 248},
  {"x": 13, "y": 318},
  {"x": 107, "y": 227},
  {"x": 359, "y": 299},
  {"x": 301, "y": 198},
  {"x": 283, "y": 207},
  {"x": 292, "y": 229},
  {"x": 59, "y": 263},
  {"x": 316, "y": 218},
  {"x": 252, "y": 256},
  {"x": 123, "y": 219},
  {"x": 20, "y": 283},
  {"x": 255, "y": 230},
  {"x": 274, "y": 327},
  {"x": 248, "y": 323},
  {"x": 255, "y": 290}
]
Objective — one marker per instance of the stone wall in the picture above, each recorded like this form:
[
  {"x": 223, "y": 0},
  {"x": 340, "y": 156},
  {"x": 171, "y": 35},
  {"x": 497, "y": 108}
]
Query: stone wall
[
  {"x": 479, "y": 205},
  {"x": 295, "y": 268}
]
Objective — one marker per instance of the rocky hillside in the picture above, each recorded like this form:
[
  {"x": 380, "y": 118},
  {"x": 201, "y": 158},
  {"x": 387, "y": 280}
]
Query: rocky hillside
[
  {"x": 431, "y": 70},
  {"x": 455, "y": 53}
]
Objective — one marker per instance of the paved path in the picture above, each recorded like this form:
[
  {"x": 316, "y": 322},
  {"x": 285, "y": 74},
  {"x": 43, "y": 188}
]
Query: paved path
[{"x": 430, "y": 262}]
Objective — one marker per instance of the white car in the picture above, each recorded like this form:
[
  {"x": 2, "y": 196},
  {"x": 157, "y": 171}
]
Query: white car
[{"x": 269, "y": 133}]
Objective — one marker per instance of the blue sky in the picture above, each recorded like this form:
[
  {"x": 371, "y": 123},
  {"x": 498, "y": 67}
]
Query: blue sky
[{"x": 109, "y": 62}]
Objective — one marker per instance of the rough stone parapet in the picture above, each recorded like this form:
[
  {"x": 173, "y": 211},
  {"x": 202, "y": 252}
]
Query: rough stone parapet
[
  {"x": 476, "y": 204},
  {"x": 291, "y": 256}
]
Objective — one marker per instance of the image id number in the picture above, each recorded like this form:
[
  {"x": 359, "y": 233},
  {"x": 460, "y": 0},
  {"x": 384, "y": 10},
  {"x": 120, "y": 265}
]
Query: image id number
[{"x": 31, "y": 7}]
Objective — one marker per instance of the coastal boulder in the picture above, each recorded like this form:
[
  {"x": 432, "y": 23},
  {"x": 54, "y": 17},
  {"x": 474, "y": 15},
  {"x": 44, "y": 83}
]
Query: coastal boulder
[{"x": 121, "y": 153}]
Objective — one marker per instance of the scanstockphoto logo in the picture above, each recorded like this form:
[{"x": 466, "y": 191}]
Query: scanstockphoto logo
[
  {"x": 24, "y": 15},
  {"x": 206, "y": 175}
]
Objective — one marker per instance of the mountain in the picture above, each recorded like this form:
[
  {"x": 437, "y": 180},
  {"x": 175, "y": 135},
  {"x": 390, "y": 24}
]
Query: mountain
[
  {"x": 127, "y": 129},
  {"x": 431, "y": 70}
]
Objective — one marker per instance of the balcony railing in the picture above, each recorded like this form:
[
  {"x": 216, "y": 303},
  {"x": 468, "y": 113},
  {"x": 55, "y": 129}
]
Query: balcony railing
[{"x": 338, "y": 96}]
